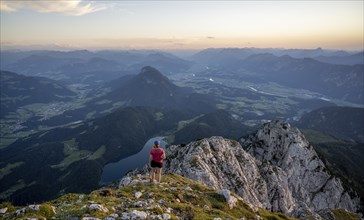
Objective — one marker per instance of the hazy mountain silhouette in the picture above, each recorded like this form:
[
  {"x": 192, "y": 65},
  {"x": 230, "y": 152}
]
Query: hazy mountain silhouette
[
  {"x": 344, "y": 82},
  {"x": 38, "y": 64},
  {"x": 166, "y": 63},
  {"x": 91, "y": 65},
  {"x": 18, "y": 90},
  {"x": 339, "y": 81},
  {"x": 149, "y": 89},
  {"x": 83, "y": 66},
  {"x": 353, "y": 59},
  {"x": 223, "y": 56}
]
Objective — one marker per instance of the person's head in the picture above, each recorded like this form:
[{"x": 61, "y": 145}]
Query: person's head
[{"x": 156, "y": 143}]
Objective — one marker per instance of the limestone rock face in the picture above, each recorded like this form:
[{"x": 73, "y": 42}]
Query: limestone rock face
[
  {"x": 98, "y": 207},
  {"x": 279, "y": 171},
  {"x": 231, "y": 200},
  {"x": 3, "y": 210},
  {"x": 220, "y": 164},
  {"x": 297, "y": 170}
]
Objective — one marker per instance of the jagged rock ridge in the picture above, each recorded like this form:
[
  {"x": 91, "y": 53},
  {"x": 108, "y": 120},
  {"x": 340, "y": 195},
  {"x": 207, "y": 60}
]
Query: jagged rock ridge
[{"x": 279, "y": 171}]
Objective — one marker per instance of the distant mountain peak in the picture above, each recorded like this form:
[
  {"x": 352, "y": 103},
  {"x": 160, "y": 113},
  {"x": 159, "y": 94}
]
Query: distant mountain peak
[
  {"x": 30, "y": 89},
  {"x": 264, "y": 55},
  {"x": 148, "y": 69},
  {"x": 151, "y": 75},
  {"x": 149, "y": 88}
]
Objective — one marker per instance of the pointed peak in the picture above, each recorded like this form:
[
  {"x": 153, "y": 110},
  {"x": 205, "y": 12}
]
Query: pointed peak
[
  {"x": 149, "y": 69},
  {"x": 278, "y": 124},
  {"x": 151, "y": 75}
]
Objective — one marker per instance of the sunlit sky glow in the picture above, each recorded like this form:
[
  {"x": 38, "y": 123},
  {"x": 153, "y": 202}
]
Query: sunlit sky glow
[{"x": 183, "y": 24}]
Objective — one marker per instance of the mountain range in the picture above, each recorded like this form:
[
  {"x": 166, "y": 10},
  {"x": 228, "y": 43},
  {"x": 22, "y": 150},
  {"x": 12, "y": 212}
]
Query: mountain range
[
  {"x": 96, "y": 108},
  {"x": 294, "y": 68},
  {"x": 149, "y": 88},
  {"x": 339, "y": 81},
  {"x": 88, "y": 67},
  {"x": 220, "y": 55},
  {"x": 353, "y": 59},
  {"x": 342, "y": 82},
  {"x": 18, "y": 90},
  {"x": 333, "y": 80}
]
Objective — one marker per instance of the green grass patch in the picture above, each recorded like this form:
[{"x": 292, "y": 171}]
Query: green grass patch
[
  {"x": 341, "y": 214},
  {"x": 8, "y": 205},
  {"x": 61, "y": 178},
  {"x": 17, "y": 186},
  {"x": 42, "y": 134},
  {"x": 72, "y": 154},
  {"x": 194, "y": 161},
  {"x": 107, "y": 111},
  {"x": 8, "y": 168},
  {"x": 46, "y": 211},
  {"x": 75, "y": 125},
  {"x": 182, "y": 124},
  {"x": 90, "y": 115},
  {"x": 6, "y": 141},
  {"x": 119, "y": 104},
  {"x": 73, "y": 157},
  {"x": 98, "y": 153},
  {"x": 158, "y": 116},
  {"x": 105, "y": 101},
  {"x": 191, "y": 206},
  {"x": 217, "y": 201},
  {"x": 70, "y": 146},
  {"x": 273, "y": 216}
]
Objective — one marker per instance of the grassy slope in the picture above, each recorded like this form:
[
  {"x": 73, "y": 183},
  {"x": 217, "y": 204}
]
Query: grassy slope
[{"x": 173, "y": 187}]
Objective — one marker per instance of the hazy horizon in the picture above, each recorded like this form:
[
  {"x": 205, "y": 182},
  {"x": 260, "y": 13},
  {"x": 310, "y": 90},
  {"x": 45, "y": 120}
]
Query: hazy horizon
[{"x": 182, "y": 25}]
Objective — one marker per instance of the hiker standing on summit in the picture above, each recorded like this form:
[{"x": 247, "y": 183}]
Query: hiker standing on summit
[{"x": 156, "y": 161}]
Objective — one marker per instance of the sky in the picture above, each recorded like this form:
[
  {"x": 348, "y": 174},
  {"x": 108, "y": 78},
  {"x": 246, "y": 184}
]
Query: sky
[{"x": 182, "y": 24}]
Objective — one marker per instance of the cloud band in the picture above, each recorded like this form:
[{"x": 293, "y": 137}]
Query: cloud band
[{"x": 72, "y": 8}]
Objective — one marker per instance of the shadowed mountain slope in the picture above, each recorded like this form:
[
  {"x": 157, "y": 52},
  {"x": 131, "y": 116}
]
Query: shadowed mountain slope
[{"x": 18, "y": 90}]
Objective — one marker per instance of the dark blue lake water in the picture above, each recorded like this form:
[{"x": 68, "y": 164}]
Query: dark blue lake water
[{"x": 114, "y": 171}]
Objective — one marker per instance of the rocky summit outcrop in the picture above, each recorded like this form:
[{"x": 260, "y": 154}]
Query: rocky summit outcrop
[
  {"x": 307, "y": 183},
  {"x": 220, "y": 163},
  {"x": 278, "y": 170}
]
